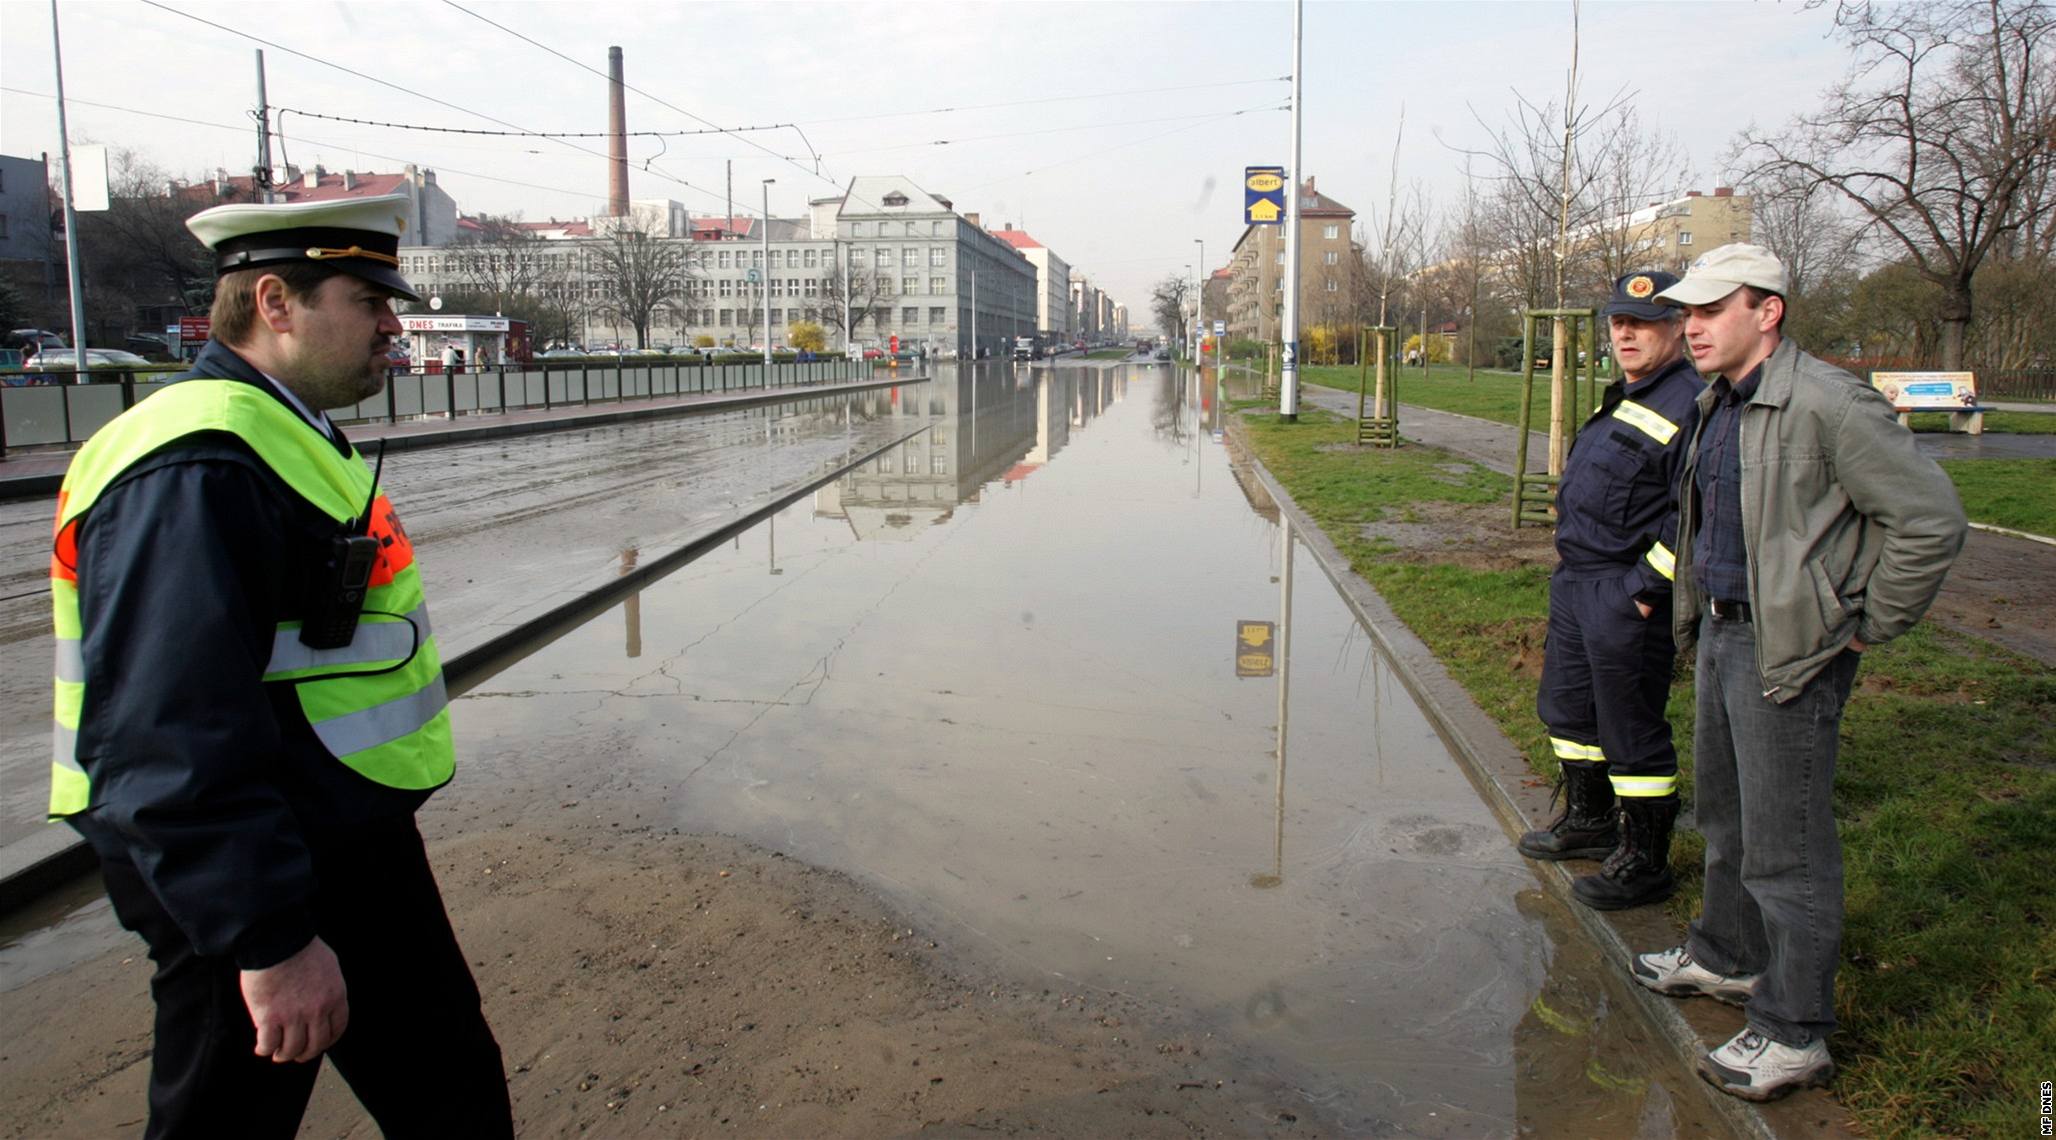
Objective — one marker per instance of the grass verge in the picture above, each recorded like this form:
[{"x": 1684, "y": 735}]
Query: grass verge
[
  {"x": 1946, "y": 798},
  {"x": 2007, "y": 492}
]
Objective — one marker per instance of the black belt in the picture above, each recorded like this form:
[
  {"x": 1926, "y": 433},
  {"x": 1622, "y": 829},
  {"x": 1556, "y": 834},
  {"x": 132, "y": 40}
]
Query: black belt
[{"x": 1727, "y": 610}]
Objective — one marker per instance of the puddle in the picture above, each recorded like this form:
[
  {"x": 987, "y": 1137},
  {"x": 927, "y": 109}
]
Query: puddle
[{"x": 993, "y": 673}]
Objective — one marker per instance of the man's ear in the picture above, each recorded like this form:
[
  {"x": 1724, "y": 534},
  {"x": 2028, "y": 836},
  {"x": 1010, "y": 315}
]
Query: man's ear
[
  {"x": 1766, "y": 319},
  {"x": 271, "y": 298}
]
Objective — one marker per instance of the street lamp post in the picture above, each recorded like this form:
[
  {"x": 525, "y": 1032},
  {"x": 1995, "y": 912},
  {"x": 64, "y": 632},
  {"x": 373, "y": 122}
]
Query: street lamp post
[
  {"x": 1199, "y": 308},
  {"x": 767, "y": 280}
]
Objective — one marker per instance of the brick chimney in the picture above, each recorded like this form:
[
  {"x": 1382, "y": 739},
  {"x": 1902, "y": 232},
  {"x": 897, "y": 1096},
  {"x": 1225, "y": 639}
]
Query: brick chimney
[
  {"x": 1724, "y": 191},
  {"x": 971, "y": 218},
  {"x": 1694, "y": 194}
]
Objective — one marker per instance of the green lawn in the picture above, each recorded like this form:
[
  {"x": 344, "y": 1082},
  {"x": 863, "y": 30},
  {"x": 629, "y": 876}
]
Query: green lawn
[
  {"x": 2015, "y": 493},
  {"x": 1946, "y": 796}
]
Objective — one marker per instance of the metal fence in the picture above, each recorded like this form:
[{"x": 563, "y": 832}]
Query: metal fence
[{"x": 55, "y": 410}]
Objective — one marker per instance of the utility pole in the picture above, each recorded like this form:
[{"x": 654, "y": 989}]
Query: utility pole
[
  {"x": 731, "y": 199},
  {"x": 71, "y": 218},
  {"x": 1288, "y": 368},
  {"x": 262, "y": 175},
  {"x": 765, "y": 274},
  {"x": 974, "y": 321},
  {"x": 1199, "y": 308}
]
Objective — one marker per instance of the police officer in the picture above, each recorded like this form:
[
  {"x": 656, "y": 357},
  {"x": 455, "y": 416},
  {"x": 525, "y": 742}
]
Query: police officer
[
  {"x": 1606, "y": 667},
  {"x": 250, "y": 706}
]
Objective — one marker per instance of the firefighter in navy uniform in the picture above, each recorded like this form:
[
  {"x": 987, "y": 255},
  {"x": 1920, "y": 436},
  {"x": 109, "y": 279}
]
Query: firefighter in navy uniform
[
  {"x": 250, "y": 707},
  {"x": 1607, "y": 663}
]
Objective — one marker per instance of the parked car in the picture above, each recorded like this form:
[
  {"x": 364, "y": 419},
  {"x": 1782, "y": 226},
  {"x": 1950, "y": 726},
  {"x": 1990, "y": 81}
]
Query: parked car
[
  {"x": 65, "y": 360},
  {"x": 39, "y": 339}
]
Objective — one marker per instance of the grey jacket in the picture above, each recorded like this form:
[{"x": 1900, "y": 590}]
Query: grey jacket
[{"x": 1848, "y": 529}]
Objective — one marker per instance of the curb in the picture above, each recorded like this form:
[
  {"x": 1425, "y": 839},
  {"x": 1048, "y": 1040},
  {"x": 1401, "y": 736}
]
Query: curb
[{"x": 1496, "y": 768}]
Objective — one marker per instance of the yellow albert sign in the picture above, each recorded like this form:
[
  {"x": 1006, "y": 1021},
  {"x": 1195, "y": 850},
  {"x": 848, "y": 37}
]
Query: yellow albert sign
[
  {"x": 1263, "y": 195},
  {"x": 1253, "y": 657}
]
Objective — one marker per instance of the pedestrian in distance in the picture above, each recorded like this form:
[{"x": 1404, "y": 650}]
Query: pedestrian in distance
[
  {"x": 250, "y": 706},
  {"x": 449, "y": 357},
  {"x": 1809, "y": 529},
  {"x": 1608, "y": 659}
]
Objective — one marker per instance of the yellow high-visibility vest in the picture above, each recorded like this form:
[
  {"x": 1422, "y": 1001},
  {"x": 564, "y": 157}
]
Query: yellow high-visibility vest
[{"x": 376, "y": 704}]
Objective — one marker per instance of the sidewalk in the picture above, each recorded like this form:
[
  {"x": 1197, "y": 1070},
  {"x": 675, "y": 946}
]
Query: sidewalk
[{"x": 25, "y": 474}]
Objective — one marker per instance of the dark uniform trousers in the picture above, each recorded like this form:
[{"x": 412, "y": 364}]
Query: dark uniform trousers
[
  {"x": 1606, "y": 674},
  {"x": 417, "y": 1053}
]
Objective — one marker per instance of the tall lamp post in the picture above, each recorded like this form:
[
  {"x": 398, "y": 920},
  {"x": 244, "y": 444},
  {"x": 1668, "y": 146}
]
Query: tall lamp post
[
  {"x": 767, "y": 280},
  {"x": 1199, "y": 307}
]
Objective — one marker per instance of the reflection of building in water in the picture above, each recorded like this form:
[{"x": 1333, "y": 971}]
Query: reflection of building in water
[{"x": 1004, "y": 426}]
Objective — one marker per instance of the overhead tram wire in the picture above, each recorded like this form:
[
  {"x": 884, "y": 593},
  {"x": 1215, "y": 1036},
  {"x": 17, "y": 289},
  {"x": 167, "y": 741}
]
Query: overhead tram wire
[
  {"x": 1125, "y": 145},
  {"x": 1048, "y": 99},
  {"x": 518, "y": 134},
  {"x": 407, "y": 91},
  {"x": 243, "y": 129}
]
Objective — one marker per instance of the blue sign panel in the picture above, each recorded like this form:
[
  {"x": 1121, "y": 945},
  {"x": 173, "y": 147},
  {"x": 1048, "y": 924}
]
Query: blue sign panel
[{"x": 1263, "y": 195}]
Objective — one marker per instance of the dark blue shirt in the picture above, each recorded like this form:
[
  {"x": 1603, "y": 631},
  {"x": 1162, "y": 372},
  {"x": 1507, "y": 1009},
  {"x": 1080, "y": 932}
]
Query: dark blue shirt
[
  {"x": 1616, "y": 507},
  {"x": 1719, "y": 554}
]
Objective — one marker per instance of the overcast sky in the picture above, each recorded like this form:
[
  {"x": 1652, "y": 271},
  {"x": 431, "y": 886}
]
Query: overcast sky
[{"x": 1117, "y": 144}]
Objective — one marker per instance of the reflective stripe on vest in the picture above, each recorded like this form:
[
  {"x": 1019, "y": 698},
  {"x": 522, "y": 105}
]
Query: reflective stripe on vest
[
  {"x": 1647, "y": 420},
  {"x": 376, "y": 704},
  {"x": 1662, "y": 561},
  {"x": 1572, "y": 750}
]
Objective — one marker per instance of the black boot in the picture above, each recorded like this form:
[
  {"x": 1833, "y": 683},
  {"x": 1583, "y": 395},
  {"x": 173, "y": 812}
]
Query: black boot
[
  {"x": 1638, "y": 872},
  {"x": 1586, "y": 829}
]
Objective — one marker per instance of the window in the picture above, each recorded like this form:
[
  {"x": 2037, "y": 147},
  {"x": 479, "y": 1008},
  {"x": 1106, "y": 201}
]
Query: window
[
  {"x": 885, "y": 464},
  {"x": 1684, "y": 237},
  {"x": 1333, "y": 287},
  {"x": 938, "y": 257},
  {"x": 910, "y": 316},
  {"x": 910, "y": 257},
  {"x": 812, "y": 286},
  {"x": 935, "y": 229},
  {"x": 938, "y": 286},
  {"x": 811, "y": 251},
  {"x": 777, "y": 315},
  {"x": 910, "y": 285},
  {"x": 856, "y": 259},
  {"x": 727, "y": 289},
  {"x": 1331, "y": 232},
  {"x": 884, "y": 257},
  {"x": 856, "y": 229},
  {"x": 756, "y": 259},
  {"x": 727, "y": 315},
  {"x": 938, "y": 463},
  {"x": 1332, "y": 257},
  {"x": 1281, "y": 257},
  {"x": 721, "y": 259},
  {"x": 777, "y": 255},
  {"x": 894, "y": 199},
  {"x": 937, "y": 315},
  {"x": 911, "y": 231}
]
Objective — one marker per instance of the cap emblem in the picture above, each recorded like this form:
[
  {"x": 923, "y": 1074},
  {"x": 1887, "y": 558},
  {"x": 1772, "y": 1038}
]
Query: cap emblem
[{"x": 1640, "y": 287}]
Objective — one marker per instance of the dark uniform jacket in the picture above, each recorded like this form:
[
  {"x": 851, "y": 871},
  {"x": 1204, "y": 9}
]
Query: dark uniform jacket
[
  {"x": 208, "y": 780},
  {"x": 1618, "y": 496}
]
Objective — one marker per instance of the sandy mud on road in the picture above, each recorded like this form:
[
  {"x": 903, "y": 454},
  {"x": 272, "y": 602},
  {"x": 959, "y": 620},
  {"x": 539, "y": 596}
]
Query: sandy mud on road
[{"x": 649, "y": 984}]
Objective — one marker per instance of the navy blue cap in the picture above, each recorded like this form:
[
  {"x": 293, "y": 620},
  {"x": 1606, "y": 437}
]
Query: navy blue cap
[{"x": 1635, "y": 296}]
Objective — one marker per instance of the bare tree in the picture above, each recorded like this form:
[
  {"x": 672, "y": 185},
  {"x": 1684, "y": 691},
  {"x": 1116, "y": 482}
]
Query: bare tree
[
  {"x": 1167, "y": 304},
  {"x": 499, "y": 260},
  {"x": 1636, "y": 169},
  {"x": 640, "y": 271},
  {"x": 859, "y": 303},
  {"x": 1942, "y": 135}
]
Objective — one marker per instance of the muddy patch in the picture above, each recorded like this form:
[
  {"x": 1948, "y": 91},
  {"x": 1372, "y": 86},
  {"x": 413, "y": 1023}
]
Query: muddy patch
[{"x": 1475, "y": 536}]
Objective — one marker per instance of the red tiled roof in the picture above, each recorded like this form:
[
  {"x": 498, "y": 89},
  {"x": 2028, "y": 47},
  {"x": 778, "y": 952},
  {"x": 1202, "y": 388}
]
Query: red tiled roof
[
  {"x": 329, "y": 188},
  {"x": 1019, "y": 239},
  {"x": 720, "y": 229}
]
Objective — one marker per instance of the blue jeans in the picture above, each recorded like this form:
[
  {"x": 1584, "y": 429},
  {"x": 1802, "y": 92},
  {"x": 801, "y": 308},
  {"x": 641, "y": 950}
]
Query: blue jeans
[{"x": 1763, "y": 779}]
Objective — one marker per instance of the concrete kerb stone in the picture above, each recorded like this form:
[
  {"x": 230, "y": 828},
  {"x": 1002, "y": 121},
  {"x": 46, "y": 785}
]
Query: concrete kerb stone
[
  {"x": 55, "y": 854},
  {"x": 564, "y": 419},
  {"x": 1501, "y": 774}
]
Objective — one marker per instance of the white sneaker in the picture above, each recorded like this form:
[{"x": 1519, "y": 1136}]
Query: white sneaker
[
  {"x": 1674, "y": 973},
  {"x": 1754, "y": 1067}
]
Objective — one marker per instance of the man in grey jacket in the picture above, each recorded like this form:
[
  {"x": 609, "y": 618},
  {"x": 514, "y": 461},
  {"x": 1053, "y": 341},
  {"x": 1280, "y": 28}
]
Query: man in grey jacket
[{"x": 1809, "y": 528}]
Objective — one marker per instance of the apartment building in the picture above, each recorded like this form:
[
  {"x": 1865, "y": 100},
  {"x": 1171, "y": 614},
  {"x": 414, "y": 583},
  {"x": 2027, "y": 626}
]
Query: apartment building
[{"x": 1330, "y": 262}]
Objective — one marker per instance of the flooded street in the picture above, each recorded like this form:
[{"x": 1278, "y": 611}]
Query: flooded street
[{"x": 992, "y": 674}]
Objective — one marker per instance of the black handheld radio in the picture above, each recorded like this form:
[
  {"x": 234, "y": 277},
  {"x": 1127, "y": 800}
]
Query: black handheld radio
[{"x": 337, "y": 599}]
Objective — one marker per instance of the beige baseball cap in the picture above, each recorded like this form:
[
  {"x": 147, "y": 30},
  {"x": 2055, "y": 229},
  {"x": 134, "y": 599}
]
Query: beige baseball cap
[{"x": 1724, "y": 270}]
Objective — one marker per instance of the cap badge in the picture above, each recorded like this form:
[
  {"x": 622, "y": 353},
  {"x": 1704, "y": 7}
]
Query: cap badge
[{"x": 1640, "y": 287}]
